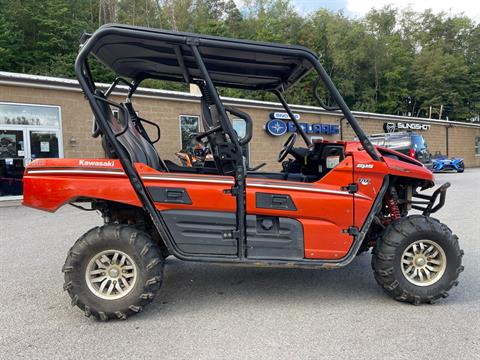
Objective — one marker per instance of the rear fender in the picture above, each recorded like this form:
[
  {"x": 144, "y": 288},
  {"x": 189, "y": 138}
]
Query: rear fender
[{"x": 49, "y": 184}]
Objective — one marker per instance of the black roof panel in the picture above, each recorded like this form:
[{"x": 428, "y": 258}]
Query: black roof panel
[{"x": 138, "y": 52}]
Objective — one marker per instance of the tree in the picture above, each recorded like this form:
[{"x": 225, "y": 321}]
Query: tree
[{"x": 388, "y": 61}]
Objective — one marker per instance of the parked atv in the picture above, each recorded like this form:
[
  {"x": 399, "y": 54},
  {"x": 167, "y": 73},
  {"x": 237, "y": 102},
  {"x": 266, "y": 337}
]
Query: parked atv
[{"x": 332, "y": 201}]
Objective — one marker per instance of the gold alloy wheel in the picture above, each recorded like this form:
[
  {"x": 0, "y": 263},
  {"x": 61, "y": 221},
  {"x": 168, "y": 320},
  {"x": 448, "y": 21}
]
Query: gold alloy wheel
[
  {"x": 423, "y": 262},
  {"x": 111, "y": 274}
]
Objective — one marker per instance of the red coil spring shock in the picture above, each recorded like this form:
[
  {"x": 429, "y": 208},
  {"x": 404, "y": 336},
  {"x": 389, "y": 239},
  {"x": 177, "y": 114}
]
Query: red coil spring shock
[{"x": 393, "y": 208}]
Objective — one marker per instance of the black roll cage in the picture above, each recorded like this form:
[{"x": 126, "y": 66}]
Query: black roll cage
[{"x": 85, "y": 79}]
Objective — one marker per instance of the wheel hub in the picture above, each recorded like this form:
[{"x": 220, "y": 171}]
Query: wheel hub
[
  {"x": 420, "y": 261},
  {"x": 423, "y": 262},
  {"x": 111, "y": 274}
]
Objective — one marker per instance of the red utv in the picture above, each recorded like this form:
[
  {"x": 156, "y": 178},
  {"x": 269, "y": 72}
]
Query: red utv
[{"x": 328, "y": 203}]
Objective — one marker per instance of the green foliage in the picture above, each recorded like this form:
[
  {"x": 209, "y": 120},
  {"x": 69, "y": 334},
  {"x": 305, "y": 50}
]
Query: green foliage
[{"x": 388, "y": 61}]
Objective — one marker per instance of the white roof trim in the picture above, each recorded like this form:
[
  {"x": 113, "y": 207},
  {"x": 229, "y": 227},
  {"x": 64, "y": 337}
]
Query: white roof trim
[{"x": 13, "y": 79}]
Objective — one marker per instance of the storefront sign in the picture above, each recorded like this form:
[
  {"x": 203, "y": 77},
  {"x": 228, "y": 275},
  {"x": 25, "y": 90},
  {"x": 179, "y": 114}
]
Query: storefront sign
[
  {"x": 283, "y": 116},
  {"x": 277, "y": 127},
  {"x": 390, "y": 127}
]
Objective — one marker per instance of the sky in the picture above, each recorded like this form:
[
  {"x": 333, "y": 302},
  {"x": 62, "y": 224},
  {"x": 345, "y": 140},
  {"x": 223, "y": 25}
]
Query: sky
[{"x": 358, "y": 8}]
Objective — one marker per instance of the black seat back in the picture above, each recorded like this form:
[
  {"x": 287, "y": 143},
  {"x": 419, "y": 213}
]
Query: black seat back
[
  {"x": 218, "y": 142},
  {"x": 137, "y": 147}
]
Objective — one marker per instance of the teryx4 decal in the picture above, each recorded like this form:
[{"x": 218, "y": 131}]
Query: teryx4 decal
[{"x": 365, "y": 166}]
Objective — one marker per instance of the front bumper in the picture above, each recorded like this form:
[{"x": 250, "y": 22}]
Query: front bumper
[{"x": 428, "y": 203}]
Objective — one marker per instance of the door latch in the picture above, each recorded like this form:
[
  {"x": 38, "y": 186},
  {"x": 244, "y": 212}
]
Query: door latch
[
  {"x": 351, "y": 188},
  {"x": 274, "y": 201},
  {"x": 174, "y": 195},
  {"x": 232, "y": 234},
  {"x": 279, "y": 201},
  {"x": 352, "y": 230},
  {"x": 232, "y": 191}
]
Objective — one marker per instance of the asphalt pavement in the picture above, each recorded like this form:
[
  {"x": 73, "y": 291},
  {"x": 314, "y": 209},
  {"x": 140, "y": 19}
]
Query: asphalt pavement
[{"x": 219, "y": 312}]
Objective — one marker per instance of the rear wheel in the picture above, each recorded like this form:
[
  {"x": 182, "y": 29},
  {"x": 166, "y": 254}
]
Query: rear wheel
[
  {"x": 113, "y": 271},
  {"x": 418, "y": 260}
]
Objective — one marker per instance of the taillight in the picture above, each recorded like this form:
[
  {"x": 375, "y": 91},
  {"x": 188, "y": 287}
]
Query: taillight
[{"x": 412, "y": 153}]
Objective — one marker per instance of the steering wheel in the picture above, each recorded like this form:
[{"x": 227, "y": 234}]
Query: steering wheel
[{"x": 287, "y": 147}]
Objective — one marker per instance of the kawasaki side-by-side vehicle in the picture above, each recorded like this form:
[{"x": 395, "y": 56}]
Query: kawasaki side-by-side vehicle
[{"x": 331, "y": 201}]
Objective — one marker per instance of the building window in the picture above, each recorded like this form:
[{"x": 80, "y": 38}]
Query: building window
[
  {"x": 31, "y": 115},
  {"x": 240, "y": 127},
  {"x": 188, "y": 125},
  {"x": 477, "y": 146}
]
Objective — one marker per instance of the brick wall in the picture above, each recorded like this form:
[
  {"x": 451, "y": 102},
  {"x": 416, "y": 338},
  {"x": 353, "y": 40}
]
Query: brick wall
[
  {"x": 77, "y": 123},
  {"x": 462, "y": 144}
]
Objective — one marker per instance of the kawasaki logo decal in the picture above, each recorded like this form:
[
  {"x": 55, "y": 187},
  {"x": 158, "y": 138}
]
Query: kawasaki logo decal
[{"x": 106, "y": 163}]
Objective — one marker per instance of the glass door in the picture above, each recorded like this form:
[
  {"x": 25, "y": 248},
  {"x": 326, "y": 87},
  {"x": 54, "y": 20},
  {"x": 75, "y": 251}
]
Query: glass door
[
  {"x": 12, "y": 157},
  {"x": 27, "y": 132},
  {"x": 43, "y": 144}
]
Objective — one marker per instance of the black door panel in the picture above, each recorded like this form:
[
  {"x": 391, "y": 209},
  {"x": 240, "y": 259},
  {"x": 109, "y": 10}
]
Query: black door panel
[{"x": 208, "y": 232}]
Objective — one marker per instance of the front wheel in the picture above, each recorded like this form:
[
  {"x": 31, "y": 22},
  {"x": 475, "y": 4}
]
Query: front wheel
[
  {"x": 418, "y": 260},
  {"x": 461, "y": 167},
  {"x": 113, "y": 271}
]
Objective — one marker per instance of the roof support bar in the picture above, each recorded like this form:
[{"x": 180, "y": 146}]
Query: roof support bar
[
  {"x": 88, "y": 75},
  {"x": 240, "y": 169},
  {"x": 292, "y": 117},
  {"x": 114, "y": 84},
  {"x": 181, "y": 63},
  {"x": 133, "y": 88}
]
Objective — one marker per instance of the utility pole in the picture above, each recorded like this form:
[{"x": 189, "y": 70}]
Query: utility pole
[
  {"x": 441, "y": 110},
  {"x": 430, "y": 112}
]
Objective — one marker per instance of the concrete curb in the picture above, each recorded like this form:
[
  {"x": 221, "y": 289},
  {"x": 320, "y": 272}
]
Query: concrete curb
[{"x": 10, "y": 203}]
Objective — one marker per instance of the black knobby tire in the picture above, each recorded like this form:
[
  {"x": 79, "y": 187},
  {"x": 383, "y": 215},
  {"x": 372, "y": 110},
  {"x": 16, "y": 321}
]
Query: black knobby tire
[
  {"x": 387, "y": 259},
  {"x": 124, "y": 238}
]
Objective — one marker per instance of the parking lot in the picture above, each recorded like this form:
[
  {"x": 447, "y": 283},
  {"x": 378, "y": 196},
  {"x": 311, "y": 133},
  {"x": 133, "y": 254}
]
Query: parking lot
[{"x": 214, "y": 311}]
